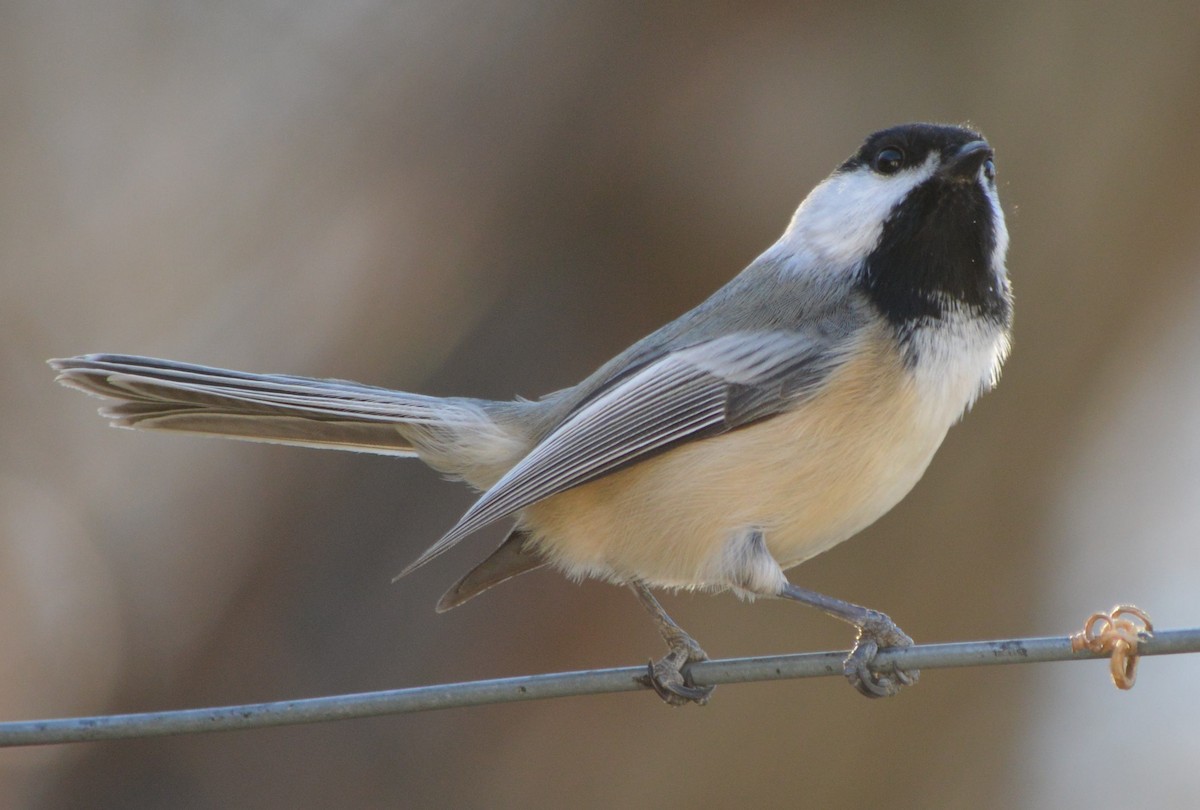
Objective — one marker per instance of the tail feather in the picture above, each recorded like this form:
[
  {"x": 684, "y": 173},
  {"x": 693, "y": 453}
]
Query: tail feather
[
  {"x": 456, "y": 436},
  {"x": 510, "y": 560},
  {"x": 164, "y": 382},
  {"x": 294, "y": 431}
]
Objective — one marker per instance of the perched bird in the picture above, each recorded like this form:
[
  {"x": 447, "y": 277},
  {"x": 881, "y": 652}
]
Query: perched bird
[{"x": 790, "y": 410}]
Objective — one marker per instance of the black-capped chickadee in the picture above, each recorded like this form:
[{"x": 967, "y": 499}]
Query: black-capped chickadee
[{"x": 781, "y": 416}]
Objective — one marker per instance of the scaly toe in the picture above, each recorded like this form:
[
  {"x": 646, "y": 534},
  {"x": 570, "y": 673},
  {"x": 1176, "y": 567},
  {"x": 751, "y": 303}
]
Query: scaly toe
[
  {"x": 879, "y": 631},
  {"x": 667, "y": 679}
]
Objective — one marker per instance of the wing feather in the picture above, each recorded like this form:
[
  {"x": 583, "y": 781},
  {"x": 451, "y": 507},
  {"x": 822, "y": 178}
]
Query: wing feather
[{"x": 699, "y": 391}]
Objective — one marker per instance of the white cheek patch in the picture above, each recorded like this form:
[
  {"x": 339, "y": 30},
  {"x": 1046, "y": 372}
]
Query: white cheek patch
[{"x": 840, "y": 221}]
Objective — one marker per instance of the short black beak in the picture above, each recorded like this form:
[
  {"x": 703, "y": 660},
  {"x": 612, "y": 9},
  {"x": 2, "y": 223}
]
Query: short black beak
[{"x": 965, "y": 163}]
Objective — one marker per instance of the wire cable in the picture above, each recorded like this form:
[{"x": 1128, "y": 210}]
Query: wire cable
[{"x": 560, "y": 684}]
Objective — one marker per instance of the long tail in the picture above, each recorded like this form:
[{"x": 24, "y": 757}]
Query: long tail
[{"x": 456, "y": 436}]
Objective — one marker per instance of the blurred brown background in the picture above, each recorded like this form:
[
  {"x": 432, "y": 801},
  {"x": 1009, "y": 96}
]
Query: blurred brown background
[{"x": 491, "y": 199}]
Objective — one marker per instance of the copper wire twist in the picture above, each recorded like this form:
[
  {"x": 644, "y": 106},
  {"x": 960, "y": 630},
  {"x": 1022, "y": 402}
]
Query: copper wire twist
[{"x": 1117, "y": 634}]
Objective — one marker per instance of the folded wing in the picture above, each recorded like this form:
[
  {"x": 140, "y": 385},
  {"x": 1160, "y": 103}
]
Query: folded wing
[{"x": 703, "y": 390}]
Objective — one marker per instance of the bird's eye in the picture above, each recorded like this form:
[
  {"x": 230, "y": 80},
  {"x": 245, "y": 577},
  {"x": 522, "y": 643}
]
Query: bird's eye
[
  {"x": 989, "y": 170},
  {"x": 888, "y": 161}
]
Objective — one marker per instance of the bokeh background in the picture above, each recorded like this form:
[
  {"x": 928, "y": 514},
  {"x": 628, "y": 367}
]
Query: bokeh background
[{"x": 491, "y": 199}]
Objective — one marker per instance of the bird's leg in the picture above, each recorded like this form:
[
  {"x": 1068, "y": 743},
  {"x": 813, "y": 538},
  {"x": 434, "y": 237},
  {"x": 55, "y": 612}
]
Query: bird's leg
[
  {"x": 666, "y": 674},
  {"x": 875, "y": 630}
]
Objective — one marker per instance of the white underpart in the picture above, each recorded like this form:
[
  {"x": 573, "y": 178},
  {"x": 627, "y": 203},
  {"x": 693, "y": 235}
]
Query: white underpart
[
  {"x": 840, "y": 221},
  {"x": 960, "y": 357}
]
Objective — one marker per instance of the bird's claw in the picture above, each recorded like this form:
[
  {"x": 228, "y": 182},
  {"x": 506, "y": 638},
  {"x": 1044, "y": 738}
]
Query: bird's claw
[
  {"x": 877, "y": 632},
  {"x": 667, "y": 678}
]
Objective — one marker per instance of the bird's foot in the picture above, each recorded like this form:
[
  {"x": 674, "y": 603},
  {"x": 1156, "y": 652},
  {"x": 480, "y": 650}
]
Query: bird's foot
[
  {"x": 668, "y": 678},
  {"x": 876, "y": 632}
]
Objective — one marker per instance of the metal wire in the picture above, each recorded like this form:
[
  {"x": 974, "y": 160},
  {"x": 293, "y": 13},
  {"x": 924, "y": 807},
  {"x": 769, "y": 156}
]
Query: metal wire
[{"x": 554, "y": 685}]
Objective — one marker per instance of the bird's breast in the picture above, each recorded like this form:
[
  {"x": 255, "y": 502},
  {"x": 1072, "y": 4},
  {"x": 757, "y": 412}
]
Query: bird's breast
[{"x": 807, "y": 479}]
